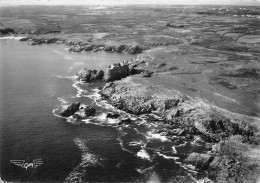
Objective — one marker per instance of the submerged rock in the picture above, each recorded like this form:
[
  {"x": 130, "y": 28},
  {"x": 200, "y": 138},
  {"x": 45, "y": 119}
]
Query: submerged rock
[
  {"x": 70, "y": 110},
  {"x": 90, "y": 75}
]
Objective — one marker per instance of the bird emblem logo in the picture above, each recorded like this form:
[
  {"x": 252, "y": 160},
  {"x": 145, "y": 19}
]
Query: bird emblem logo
[{"x": 23, "y": 164}]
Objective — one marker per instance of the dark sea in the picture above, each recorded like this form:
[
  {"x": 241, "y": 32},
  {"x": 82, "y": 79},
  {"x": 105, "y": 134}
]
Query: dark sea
[{"x": 36, "y": 82}]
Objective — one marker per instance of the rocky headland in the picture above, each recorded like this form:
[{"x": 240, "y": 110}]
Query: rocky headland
[
  {"x": 231, "y": 140},
  {"x": 198, "y": 75}
]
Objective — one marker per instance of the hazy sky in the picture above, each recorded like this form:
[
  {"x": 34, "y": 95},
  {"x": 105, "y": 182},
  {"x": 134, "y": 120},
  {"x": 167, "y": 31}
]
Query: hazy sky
[{"x": 122, "y": 2}]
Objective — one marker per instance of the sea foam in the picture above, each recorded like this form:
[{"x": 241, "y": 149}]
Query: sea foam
[{"x": 143, "y": 154}]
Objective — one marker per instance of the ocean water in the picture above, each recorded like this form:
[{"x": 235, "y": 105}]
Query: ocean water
[{"x": 35, "y": 83}]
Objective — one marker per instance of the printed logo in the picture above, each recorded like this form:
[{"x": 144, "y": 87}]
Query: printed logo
[{"x": 21, "y": 163}]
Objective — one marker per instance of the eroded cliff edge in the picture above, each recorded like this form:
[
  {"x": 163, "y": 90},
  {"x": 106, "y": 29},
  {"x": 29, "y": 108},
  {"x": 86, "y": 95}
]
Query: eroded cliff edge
[{"x": 172, "y": 86}]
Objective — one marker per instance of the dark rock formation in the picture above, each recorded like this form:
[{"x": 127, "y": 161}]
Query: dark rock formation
[
  {"x": 112, "y": 115},
  {"x": 227, "y": 162},
  {"x": 89, "y": 111},
  {"x": 70, "y": 110},
  {"x": 109, "y": 48},
  {"x": 7, "y": 31},
  {"x": 90, "y": 75},
  {"x": 117, "y": 72},
  {"x": 88, "y": 48},
  {"x": 24, "y": 39},
  {"x": 75, "y": 49},
  {"x": 125, "y": 121},
  {"x": 52, "y": 40},
  {"x": 174, "y": 26},
  {"x": 120, "y": 48},
  {"x": 134, "y": 50}
]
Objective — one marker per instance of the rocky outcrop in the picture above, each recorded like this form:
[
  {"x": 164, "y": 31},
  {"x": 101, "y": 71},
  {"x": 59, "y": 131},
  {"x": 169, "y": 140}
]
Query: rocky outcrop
[
  {"x": 228, "y": 161},
  {"x": 117, "y": 72},
  {"x": 76, "y": 49},
  {"x": 134, "y": 50},
  {"x": 80, "y": 46},
  {"x": 90, "y": 75},
  {"x": 40, "y": 41},
  {"x": 226, "y": 135},
  {"x": 7, "y": 31},
  {"x": 125, "y": 120},
  {"x": 89, "y": 111},
  {"x": 201, "y": 161},
  {"x": 70, "y": 110},
  {"x": 112, "y": 115}
]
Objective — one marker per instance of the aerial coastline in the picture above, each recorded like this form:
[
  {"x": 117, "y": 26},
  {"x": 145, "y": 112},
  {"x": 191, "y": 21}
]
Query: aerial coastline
[{"x": 195, "y": 71}]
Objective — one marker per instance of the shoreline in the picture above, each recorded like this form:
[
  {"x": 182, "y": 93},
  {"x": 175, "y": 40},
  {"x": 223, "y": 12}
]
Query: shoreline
[{"x": 230, "y": 137}]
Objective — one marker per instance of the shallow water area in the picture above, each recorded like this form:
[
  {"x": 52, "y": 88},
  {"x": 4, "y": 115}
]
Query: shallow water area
[{"x": 36, "y": 82}]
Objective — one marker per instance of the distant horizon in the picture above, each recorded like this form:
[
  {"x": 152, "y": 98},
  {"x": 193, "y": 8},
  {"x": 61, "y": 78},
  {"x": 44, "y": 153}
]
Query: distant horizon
[{"x": 130, "y": 2}]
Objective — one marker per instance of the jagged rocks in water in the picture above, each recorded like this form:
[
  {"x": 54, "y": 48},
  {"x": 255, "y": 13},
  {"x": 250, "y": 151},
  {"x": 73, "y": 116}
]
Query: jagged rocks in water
[
  {"x": 70, "y": 110},
  {"x": 124, "y": 121},
  {"x": 117, "y": 72},
  {"x": 112, "y": 115},
  {"x": 7, "y": 31},
  {"x": 201, "y": 161},
  {"x": 120, "y": 48},
  {"x": 89, "y": 111},
  {"x": 109, "y": 48},
  {"x": 75, "y": 49},
  {"x": 134, "y": 50},
  {"x": 90, "y": 75}
]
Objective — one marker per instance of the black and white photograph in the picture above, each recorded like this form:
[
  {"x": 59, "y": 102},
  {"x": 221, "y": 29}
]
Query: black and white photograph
[{"x": 130, "y": 91}]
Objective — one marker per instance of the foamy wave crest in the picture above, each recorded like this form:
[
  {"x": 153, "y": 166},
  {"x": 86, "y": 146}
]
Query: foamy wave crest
[
  {"x": 158, "y": 136},
  {"x": 137, "y": 143},
  {"x": 88, "y": 160},
  {"x": 59, "y": 116},
  {"x": 122, "y": 144},
  {"x": 56, "y": 51},
  {"x": 204, "y": 180},
  {"x": 189, "y": 168},
  {"x": 79, "y": 90},
  {"x": 181, "y": 145},
  {"x": 68, "y": 58},
  {"x": 174, "y": 150},
  {"x": 167, "y": 157},
  {"x": 96, "y": 97},
  {"x": 103, "y": 118},
  {"x": 62, "y": 100},
  {"x": 145, "y": 170},
  {"x": 12, "y": 37},
  {"x": 73, "y": 78},
  {"x": 143, "y": 154}
]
